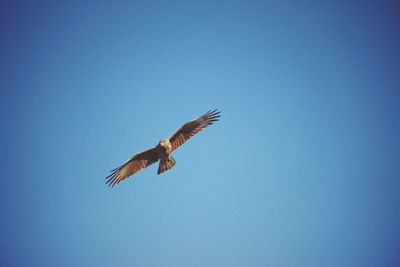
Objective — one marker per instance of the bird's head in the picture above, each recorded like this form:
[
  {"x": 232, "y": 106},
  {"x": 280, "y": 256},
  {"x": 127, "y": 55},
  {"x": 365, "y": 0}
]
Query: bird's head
[{"x": 161, "y": 143}]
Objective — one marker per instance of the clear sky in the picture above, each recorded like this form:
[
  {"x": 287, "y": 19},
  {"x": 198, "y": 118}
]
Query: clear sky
[{"x": 302, "y": 169}]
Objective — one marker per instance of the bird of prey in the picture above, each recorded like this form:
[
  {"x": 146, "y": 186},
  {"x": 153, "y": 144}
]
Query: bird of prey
[{"x": 162, "y": 151}]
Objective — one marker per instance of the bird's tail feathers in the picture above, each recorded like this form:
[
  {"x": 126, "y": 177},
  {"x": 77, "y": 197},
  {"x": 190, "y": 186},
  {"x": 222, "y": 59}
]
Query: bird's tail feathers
[{"x": 165, "y": 165}]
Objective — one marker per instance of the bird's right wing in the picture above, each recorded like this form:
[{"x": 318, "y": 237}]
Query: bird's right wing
[{"x": 139, "y": 161}]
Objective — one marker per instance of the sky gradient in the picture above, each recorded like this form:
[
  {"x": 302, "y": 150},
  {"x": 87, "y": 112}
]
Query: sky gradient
[{"x": 301, "y": 170}]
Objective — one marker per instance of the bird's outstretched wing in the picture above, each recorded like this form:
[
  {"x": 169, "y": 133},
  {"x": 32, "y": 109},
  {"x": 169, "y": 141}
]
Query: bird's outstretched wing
[
  {"x": 193, "y": 127},
  {"x": 133, "y": 165}
]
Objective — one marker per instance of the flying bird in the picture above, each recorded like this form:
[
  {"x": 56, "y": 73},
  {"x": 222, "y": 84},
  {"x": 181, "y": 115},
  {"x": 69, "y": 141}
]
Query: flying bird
[{"x": 163, "y": 150}]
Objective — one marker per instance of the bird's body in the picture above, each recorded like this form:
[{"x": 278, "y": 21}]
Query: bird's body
[{"x": 163, "y": 150}]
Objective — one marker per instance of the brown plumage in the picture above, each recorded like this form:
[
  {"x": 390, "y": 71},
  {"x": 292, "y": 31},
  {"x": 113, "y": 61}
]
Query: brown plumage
[{"x": 162, "y": 151}]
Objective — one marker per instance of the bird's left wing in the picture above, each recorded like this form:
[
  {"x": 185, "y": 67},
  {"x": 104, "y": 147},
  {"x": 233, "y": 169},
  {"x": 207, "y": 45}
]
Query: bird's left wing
[
  {"x": 139, "y": 161},
  {"x": 193, "y": 127}
]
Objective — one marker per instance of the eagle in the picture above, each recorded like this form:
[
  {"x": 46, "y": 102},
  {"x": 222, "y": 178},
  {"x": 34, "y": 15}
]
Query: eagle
[{"x": 163, "y": 150}]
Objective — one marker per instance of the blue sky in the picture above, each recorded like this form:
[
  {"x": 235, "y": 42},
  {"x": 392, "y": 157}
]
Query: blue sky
[{"x": 301, "y": 170}]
